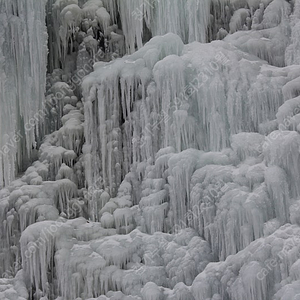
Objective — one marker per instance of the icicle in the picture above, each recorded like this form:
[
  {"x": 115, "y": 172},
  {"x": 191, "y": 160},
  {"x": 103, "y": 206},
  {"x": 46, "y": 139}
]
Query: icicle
[
  {"x": 281, "y": 149},
  {"x": 23, "y": 40},
  {"x": 278, "y": 189}
]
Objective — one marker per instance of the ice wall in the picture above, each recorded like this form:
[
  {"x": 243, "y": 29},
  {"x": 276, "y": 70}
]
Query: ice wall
[
  {"x": 190, "y": 169},
  {"x": 167, "y": 94},
  {"x": 198, "y": 97},
  {"x": 236, "y": 98},
  {"x": 23, "y": 59},
  {"x": 49, "y": 190},
  {"x": 189, "y": 19}
]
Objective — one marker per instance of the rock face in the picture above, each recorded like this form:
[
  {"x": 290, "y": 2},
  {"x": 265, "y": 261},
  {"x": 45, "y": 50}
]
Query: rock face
[{"x": 162, "y": 157}]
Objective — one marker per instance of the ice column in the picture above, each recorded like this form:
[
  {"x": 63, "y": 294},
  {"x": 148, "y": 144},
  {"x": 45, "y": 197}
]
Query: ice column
[{"x": 23, "y": 59}]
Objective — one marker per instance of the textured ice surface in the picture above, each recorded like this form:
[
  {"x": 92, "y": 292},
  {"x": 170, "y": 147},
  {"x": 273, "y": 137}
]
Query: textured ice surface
[
  {"x": 23, "y": 59},
  {"x": 169, "y": 173}
]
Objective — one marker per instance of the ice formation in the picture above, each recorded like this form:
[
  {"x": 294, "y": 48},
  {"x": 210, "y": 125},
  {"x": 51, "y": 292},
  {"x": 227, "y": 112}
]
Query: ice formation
[
  {"x": 23, "y": 62},
  {"x": 165, "y": 160}
]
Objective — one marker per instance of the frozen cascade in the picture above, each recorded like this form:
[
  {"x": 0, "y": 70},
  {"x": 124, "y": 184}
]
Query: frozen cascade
[
  {"x": 23, "y": 62},
  {"x": 169, "y": 172},
  {"x": 182, "y": 100},
  {"x": 190, "y": 19}
]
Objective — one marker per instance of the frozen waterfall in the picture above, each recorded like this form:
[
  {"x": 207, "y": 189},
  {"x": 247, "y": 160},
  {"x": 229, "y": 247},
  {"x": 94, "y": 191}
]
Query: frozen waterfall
[
  {"x": 149, "y": 149},
  {"x": 23, "y": 63}
]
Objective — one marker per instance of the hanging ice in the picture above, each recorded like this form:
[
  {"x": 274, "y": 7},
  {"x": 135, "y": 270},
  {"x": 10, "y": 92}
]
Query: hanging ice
[
  {"x": 23, "y": 59},
  {"x": 169, "y": 173}
]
